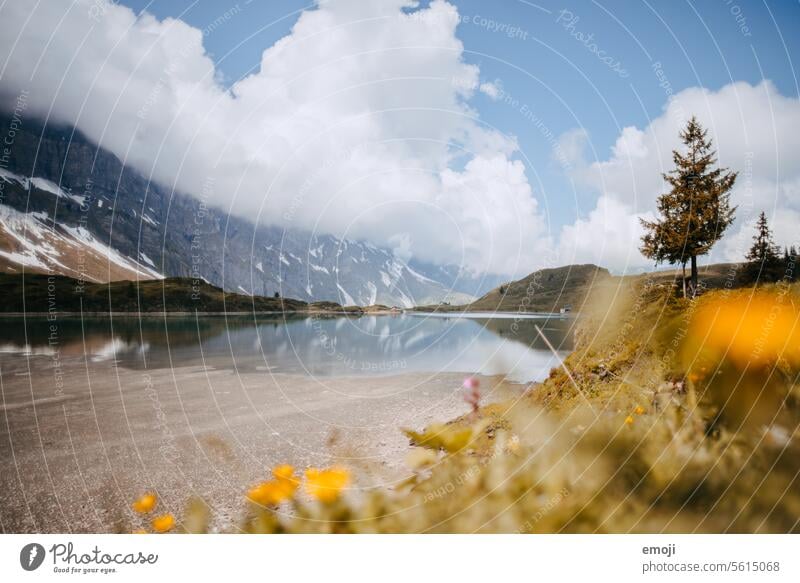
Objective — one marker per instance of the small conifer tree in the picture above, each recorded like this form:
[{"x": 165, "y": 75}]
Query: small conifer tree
[
  {"x": 763, "y": 250},
  {"x": 696, "y": 211}
]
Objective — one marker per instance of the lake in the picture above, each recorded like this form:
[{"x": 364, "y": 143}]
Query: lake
[{"x": 313, "y": 345}]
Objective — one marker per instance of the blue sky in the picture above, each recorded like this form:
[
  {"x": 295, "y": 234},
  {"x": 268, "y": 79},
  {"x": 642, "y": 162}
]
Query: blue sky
[{"x": 543, "y": 66}]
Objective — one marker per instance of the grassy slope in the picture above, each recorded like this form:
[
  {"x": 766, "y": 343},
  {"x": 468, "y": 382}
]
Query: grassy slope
[
  {"x": 44, "y": 293},
  {"x": 548, "y": 290},
  {"x": 628, "y": 442}
]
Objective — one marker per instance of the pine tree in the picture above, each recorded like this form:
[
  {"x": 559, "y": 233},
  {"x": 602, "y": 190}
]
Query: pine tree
[
  {"x": 763, "y": 254},
  {"x": 695, "y": 213}
]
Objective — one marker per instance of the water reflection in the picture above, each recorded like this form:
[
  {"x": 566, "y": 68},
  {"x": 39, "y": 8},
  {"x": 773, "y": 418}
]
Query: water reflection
[{"x": 314, "y": 345}]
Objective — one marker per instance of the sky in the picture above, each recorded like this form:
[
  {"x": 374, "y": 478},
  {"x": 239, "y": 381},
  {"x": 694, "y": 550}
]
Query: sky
[{"x": 504, "y": 136}]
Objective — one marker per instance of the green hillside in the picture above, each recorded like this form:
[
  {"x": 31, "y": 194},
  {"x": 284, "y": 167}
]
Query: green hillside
[
  {"x": 546, "y": 290},
  {"x": 549, "y": 290},
  {"x": 43, "y": 293}
]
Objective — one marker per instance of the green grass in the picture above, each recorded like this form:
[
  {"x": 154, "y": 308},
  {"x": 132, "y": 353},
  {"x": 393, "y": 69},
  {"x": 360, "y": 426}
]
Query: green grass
[{"x": 43, "y": 293}]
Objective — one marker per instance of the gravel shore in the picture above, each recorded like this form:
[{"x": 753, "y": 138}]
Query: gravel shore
[{"x": 79, "y": 440}]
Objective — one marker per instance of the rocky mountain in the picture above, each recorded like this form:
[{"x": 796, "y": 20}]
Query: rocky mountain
[{"x": 71, "y": 208}]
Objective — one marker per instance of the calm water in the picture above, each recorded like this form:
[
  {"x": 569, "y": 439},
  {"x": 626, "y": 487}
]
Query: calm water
[{"x": 368, "y": 345}]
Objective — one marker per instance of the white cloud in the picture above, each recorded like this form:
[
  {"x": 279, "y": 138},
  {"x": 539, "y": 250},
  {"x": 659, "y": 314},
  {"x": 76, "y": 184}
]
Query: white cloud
[
  {"x": 609, "y": 236},
  {"x": 490, "y": 89},
  {"x": 754, "y": 129},
  {"x": 348, "y": 127}
]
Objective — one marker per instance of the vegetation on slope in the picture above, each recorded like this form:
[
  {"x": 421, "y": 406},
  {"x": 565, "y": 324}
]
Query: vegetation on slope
[
  {"x": 546, "y": 290},
  {"x": 46, "y": 293},
  {"x": 549, "y": 290}
]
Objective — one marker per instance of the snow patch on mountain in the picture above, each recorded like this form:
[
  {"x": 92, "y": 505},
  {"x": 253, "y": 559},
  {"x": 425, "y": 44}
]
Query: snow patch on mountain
[
  {"x": 146, "y": 259},
  {"x": 373, "y": 294},
  {"x": 113, "y": 256},
  {"x": 348, "y": 299}
]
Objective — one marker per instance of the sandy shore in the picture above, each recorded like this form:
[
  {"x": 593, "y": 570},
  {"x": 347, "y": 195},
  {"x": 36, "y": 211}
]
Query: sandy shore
[{"x": 79, "y": 440}]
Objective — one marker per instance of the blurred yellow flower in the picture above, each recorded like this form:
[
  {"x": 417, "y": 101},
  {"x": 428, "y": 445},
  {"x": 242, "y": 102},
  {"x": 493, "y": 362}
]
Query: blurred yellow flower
[
  {"x": 283, "y": 472},
  {"x": 628, "y": 420},
  {"x": 273, "y": 492},
  {"x": 145, "y": 504},
  {"x": 326, "y": 485},
  {"x": 163, "y": 523},
  {"x": 747, "y": 329},
  {"x": 258, "y": 494},
  {"x": 639, "y": 410}
]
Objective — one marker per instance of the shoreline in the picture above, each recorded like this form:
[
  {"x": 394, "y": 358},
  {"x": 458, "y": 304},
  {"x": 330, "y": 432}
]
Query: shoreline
[
  {"x": 184, "y": 314},
  {"x": 501, "y": 315},
  {"x": 348, "y": 311}
]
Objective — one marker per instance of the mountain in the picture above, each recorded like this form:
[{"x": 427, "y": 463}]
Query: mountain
[
  {"x": 69, "y": 207},
  {"x": 546, "y": 290}
]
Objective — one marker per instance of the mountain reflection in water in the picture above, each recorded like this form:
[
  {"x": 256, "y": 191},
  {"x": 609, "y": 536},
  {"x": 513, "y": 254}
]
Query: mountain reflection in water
[{"x": 314, "y": 345}]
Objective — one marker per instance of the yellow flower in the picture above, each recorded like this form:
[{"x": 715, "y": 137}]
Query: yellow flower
[
  {"x": 752, "y": 329},
  {"x": 628, "y": 420},
  {"x": 261, "y": 494},
  {"x": 273, "y": 492},
  {"x": 163, "y": 523},
  {"x": 284, "y": 472},
  {"x": 145, "y": 504},
  {"x": 639, "y": 410},
  {"x": 326, "y": 485},
  {"x": 287, "y": 487}
]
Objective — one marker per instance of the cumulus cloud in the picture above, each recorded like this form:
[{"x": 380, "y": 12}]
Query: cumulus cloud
[
  {"x": 609, "y": 236},
  {"x": 357, "y": 123},
  {"x": 754, "y": 129}
]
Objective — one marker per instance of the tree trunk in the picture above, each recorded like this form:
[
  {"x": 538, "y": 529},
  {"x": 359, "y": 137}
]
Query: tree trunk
[
  {"x": 683, "y": 278},
  {"x": 694, "y": 275}
]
